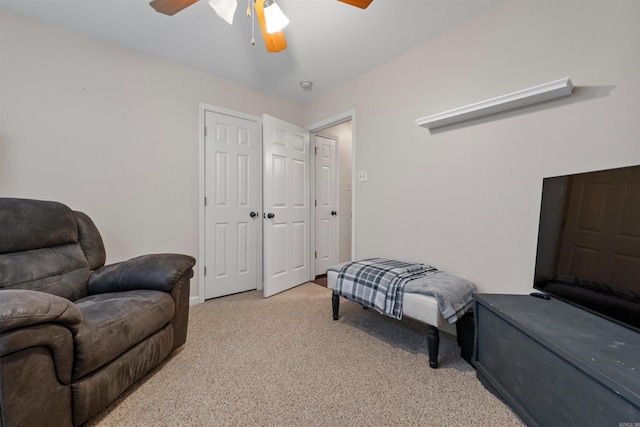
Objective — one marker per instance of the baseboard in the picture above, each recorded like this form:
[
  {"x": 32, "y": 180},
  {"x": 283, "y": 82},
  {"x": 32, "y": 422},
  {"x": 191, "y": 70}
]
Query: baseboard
[{"x": 194, "y": 300}]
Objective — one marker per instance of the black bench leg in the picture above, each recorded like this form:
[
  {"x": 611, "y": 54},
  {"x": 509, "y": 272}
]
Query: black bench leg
[
  {"x": 335, "y": 304},
  {"x": 433, "y": 345}
]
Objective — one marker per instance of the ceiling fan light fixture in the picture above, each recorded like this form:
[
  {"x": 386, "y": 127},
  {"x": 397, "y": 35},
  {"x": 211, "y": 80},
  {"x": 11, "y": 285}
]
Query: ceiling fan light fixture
[
  {"x": 274, "y": 17},
  {"x": 225, "y": 9}
]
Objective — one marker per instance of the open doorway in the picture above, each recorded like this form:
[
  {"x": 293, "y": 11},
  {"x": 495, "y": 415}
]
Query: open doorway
[{"x": 342, "y": 231}]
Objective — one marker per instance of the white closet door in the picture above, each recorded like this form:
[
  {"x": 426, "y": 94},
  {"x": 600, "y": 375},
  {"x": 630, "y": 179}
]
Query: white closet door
[
  {"x": 287, "y": 224},
  {"x": 326, "y": 205},
  {"x": 232, "y": 182}
]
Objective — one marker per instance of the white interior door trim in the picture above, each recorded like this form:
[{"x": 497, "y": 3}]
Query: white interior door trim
[
  {"x": 202, "y": 191},
  {"x": 317, "y": 127}
]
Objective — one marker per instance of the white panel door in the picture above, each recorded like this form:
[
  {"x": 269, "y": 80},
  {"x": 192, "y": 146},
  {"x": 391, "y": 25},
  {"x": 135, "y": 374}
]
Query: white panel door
[
  {"x": 326, "y": 205},
  {"x": 286, "y": 182},
  {"x": 232, "y": 191}
]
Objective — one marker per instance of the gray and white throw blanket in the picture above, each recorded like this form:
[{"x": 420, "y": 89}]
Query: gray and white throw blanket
[
  {"x": 380, "y": 283},
  {"x": 453, "y": 294}
]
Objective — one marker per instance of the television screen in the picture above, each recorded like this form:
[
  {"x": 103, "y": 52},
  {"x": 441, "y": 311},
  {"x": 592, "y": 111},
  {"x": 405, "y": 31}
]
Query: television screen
[{"x": 589, "y": 242}]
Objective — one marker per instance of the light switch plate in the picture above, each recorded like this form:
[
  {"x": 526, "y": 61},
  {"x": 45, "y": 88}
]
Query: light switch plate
[{"x": 362, "y": 176}]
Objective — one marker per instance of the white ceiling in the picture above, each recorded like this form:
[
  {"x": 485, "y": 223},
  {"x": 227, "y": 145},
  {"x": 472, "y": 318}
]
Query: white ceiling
[{"x": 329, "y": 42}]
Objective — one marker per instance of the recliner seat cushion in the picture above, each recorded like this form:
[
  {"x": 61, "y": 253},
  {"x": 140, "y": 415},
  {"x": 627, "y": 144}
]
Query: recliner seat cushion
[{"x": 114, "y": 322}]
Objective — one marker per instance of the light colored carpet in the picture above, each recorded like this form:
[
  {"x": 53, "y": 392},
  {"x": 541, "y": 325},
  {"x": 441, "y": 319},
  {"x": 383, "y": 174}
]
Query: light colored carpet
[{"x": 283, "y": 361}]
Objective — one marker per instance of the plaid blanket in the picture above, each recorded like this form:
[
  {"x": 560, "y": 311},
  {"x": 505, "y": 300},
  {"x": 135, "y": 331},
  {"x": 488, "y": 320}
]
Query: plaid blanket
[{"x": 378, "y": 283}]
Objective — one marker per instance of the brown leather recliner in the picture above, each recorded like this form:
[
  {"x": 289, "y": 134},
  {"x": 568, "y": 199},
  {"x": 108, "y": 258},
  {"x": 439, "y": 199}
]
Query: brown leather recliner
[{"x": 75, "y": 333}]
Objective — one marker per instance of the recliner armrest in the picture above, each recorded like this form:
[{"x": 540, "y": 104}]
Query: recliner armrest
[
  {"x": 19, "y": 308},
  {"x": 155, "y": 272},
  {"x": 36, "y": 362}
]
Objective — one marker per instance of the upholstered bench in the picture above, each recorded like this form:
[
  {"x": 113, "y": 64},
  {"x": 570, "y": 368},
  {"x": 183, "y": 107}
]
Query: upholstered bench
[{"x": 420, "y": 306}]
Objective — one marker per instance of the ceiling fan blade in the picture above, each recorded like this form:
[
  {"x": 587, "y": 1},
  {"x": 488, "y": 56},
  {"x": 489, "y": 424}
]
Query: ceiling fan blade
[
  {"x": 170, "y": 7},
  {"x": 362, "y": 4},
  {"x": 275, "y": 42}
]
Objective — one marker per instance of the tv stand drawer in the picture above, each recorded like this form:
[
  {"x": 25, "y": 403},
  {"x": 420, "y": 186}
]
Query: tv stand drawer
[{"x": 556, "y": 364}]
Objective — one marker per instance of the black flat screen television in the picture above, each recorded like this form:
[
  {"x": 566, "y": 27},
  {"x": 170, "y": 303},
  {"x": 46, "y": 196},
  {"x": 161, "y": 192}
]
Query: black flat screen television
[{"x": 588, "y": 250}]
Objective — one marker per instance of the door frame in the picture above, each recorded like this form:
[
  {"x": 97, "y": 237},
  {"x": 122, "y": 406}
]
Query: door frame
[
  {"x": 203, "y": 108},
  {"x": 312, "y": 129},
  {"x": 316, "y": 129}
]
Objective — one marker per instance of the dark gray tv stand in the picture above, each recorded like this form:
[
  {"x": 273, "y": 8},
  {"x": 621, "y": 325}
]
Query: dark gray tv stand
[{"x": 555, "y": 364}]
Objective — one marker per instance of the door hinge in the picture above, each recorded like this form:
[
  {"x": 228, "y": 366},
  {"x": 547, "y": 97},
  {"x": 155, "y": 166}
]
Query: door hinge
[
  {"x": 315, "y": 203},
  {"x": 316, "y": 151},
  {"x": 205, "y": 131},
  {"x": 205, "y": 201},
  {"x": 205, "y": 270},
  {"x": 316, "y": 254}
]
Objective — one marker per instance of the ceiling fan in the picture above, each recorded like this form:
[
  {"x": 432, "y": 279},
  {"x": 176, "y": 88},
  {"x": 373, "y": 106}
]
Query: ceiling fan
[{"x": 273, "y": 37}]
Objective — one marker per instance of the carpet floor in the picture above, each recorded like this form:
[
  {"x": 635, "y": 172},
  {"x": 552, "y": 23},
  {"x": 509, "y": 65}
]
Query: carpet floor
[{"x": 283, "y": 361}]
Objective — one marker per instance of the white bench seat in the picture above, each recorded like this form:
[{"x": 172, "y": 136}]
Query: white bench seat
[{"x": 419, "y": 307}]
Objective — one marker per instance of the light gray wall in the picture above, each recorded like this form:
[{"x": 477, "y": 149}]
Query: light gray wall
[
  {"x": 111, "y": 132},
  {"x": 466, "y": 198},
  {"x": 114, "y": 133}
]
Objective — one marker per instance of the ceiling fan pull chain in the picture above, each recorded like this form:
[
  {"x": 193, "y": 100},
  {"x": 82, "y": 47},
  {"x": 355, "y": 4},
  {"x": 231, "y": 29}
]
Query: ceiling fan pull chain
[{"x": 253, "y": 22}]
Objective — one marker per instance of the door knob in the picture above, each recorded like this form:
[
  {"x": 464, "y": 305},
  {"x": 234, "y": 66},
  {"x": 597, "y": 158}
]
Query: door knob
[
  {"x": 270, "y": 215},
  {"x": 253, "y": 214},
  {"x": 334, "y": 213}
]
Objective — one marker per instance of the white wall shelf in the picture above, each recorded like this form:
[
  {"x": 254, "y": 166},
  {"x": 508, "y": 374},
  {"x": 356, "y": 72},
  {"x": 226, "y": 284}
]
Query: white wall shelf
[{"x": 543, "y": 92}]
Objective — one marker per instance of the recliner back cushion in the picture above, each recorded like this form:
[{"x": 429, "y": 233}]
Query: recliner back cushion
[
  {"x": 90, "y": 241},
  {"x": 34, "y": 224},
  {"x": 39, "y": 248}
]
